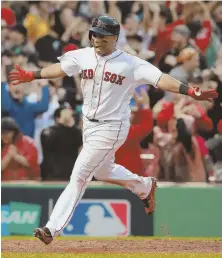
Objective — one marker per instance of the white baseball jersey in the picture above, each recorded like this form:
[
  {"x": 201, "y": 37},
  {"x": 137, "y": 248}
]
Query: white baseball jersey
[
  {"x": 107, "y": 84},
  {"x": 108, "y": 81}
]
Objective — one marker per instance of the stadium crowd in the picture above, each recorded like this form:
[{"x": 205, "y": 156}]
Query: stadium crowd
[{"x": 172, "y": 137}]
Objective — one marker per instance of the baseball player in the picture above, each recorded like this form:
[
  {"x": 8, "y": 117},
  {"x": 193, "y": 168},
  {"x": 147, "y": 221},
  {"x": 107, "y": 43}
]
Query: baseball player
[{"x": 109, "y": 77}]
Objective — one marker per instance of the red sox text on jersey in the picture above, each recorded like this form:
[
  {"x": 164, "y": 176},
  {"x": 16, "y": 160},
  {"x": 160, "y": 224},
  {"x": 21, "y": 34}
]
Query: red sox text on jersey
[{"x": 108, "y": 76}]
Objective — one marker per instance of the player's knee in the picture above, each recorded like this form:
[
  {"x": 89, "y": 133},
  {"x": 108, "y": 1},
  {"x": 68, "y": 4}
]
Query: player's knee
[
  {"x": 80, "y": 178},
  {"x": 99, "y": 177}
]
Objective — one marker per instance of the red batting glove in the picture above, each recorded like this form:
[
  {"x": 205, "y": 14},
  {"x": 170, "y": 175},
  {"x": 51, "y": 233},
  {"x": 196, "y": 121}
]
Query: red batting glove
[
  {"x": 19, "y": 75},
  {"x": 199, "y": 94}
]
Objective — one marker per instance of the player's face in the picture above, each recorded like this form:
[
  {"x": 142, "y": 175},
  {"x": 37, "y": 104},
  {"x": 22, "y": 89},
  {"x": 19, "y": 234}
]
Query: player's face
[{"x": 104, "y": 45}]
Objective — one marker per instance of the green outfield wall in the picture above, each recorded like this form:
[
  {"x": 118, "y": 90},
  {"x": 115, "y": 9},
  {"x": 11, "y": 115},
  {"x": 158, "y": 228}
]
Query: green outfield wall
[{"x": 189, "y": 211}]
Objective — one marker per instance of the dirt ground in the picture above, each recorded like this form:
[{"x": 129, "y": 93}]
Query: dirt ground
[{"x": 114, "y": 246}]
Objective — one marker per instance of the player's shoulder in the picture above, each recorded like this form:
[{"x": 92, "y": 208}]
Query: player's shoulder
[
  {"x": 128, "y": 58},
  {"x": 80, "y": 51},
  {"x": 133, "y": 60}
]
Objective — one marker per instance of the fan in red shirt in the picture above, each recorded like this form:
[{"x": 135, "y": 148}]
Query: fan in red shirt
[
  {"x": 197, "y": 18},
  {"x": 141, "y": 125},
  {"x": 19, "y": 154},
  {"x": 190, "y": 107}
]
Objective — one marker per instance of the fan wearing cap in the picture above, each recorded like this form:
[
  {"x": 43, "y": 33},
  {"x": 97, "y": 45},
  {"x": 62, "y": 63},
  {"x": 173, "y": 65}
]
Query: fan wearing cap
[
  {"x": 7, "y": 20},
  {"x": 19, "y": 153},
  {"x": 7, "y": 17}
]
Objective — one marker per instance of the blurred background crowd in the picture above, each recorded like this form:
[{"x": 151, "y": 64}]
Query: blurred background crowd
[{"x": 172, "y": 137}]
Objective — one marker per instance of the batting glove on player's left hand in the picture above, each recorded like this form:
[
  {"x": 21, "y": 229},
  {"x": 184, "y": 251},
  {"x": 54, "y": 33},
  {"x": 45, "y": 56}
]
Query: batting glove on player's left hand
[
  {"x": 19, "y": 76},
  {"x": 199, "y": 94}
]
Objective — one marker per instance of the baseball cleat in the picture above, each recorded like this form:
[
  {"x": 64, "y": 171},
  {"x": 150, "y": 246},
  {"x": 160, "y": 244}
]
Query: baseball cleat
[
  {"x": 43, "y": 234},
  {"x": 149, "y": 202}
]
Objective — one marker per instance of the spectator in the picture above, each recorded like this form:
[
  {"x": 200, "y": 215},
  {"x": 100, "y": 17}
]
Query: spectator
[
  {"x": 45, "y": 119},
  {"x": 17, "y": 56},
  {"x": 189, "y": 60},
  {"x": 7, "y": 20},
  {"x": 20, "y": 8},
  {"x": 114, "y": 11},
  {"x": 131, "y": 25},
  {"x": 19, "y": 41},
  {"x": 60, "y": 145},
  {"x": 16, "y": 104},
  {"x": 156, "y": 20},
  {"x": 135, "y": 42},
  {"x": 37, "y": 21},
  {"x": 196, "y": 17},
  {"x": 7, "y": 17},
  {"x": 71, "y": 85},
  {"x": 216, "y": 37},
  {"x": 215, "y": 148},
  {"x": 215, "y": 78},
  {"x": 19, "y": 154},
  {"x": 95, "y": 8},
  {"x": 166, "y": 110},
  {"x": 71, "y": 26},
  {"x": 48, "y": 47},
  {"x": 180, "y": 40},
  {"x": 180, "y": 153},
  {"x": 142, "y": 123},
  {"x": 216, "y": 12}
]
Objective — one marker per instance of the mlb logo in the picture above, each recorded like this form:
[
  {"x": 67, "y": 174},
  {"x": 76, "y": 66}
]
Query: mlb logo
[{"x": 100, "y": 218}]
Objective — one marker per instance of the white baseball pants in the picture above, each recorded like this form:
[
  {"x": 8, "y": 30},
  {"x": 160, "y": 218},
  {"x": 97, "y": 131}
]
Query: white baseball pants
[{"x": 100, "y": 142}]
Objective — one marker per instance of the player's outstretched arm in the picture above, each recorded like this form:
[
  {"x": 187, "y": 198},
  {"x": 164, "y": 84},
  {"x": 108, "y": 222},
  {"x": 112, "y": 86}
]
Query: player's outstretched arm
[
  {"x": 168, "y": 83},
  {"x": 19, "y": 75}
]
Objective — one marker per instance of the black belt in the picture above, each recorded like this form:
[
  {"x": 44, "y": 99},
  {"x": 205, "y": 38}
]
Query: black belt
[
  {"x": 95, "y": 120},
  {"x": 101, "y": 121}
]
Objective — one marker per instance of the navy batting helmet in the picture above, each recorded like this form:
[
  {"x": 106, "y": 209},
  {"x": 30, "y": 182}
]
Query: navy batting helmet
[{"x": 105, "y": 25}]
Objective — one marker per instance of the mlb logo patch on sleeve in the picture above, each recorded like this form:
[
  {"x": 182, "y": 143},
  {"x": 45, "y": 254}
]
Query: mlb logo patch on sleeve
[{"x": 100, "y": 218}]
